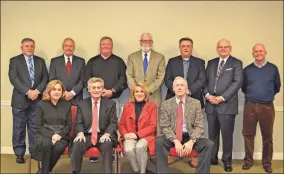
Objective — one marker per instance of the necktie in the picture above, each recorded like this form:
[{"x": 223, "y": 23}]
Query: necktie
[
  {"x": 68, "y": 67},
  {"x": 145, "y": 63},
  {"x": 31, "y": 70},
  {"x": 179, "y": 121},
  {"x": 185, "y": 68},
  {"x": 220, "y": 68},
  {"x": 95, "y": 124}
]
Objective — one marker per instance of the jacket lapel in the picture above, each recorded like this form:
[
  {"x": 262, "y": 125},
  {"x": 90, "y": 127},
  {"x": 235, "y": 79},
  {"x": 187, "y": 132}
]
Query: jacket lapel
[
  {"x": 174, "y": 107},
  {"x": 227, "y": 65},
  {"x": 102, "y": 110},
  {"x": 190, "y": 67},
  {"x": 187, "y": 107},
  {"x": 215, "y": 68},
  {"x": 139, "y": 61},
  {"x": 90, "y": 112},
  {"x": 25, "y": 67},
  {"x": 151, "y": 62},
  {"x": 63, "y": 65},
  {"x": 73, "y": 65}
]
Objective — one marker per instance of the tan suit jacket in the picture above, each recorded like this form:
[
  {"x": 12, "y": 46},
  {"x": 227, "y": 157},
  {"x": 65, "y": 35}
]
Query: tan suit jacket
[
  {"x": 192, "y": 115},
  {"x": 154, "y": 75}
]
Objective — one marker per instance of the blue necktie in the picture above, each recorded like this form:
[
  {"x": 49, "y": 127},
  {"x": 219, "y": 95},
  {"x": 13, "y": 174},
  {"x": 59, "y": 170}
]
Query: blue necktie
[
  {"x": 145, "y": 63},
  {"x": 31, "y": 70}
]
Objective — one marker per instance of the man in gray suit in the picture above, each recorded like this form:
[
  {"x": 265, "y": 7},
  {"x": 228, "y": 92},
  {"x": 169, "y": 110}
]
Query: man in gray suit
[
  {"x": 69, "y": 68},
  {"x": 224, "y": 79},
  {"x": 28, "y": 74},
  {"x": 182, "y": 127}
]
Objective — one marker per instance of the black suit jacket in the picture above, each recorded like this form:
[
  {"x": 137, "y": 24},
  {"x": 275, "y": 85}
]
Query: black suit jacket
[
  {"x": 20, "y": 79},
  {"x": 73, "y": 82},
  {"x": 228, "y": 85},
  {"x": 107, "y": 117},
  {"x": 196, "y": 76}
]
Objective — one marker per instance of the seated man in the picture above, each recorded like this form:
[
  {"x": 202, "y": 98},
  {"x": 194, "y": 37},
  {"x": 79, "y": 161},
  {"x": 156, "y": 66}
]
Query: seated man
[
  {"x": 96, "y": 125},
  {"x": 181, "y": 123}
]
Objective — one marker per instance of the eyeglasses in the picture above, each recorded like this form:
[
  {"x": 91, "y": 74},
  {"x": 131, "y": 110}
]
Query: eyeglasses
[
  {"x": 146, "y": 41},
  {"x": 223, "y": 47}
]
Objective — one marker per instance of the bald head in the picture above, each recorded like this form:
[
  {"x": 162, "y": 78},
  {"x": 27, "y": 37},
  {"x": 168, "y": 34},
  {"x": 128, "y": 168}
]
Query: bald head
[
  {"x": 224, "y": 48},
  {"x": 259, "y": 53}
]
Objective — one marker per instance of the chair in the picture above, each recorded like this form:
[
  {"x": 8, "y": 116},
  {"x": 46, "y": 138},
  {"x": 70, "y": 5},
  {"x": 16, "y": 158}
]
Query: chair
[{"x": 92, "y": 152}]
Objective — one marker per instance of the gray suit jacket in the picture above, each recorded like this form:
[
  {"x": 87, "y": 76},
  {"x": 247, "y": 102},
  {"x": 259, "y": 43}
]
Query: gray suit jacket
[
  {"x": 154, "y": 75},
  {"x": 20, "y": 79},
  {"x": 192, "y": 115},
  {"x": 228, "y": 85},
  {"x": 58, "y": 71}
]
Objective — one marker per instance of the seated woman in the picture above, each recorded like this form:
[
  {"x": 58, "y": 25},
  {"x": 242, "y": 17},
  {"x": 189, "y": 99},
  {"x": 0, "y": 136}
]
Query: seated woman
[
  {"x": 137, "y": 127},
  {"x": 53, "y": 123}
]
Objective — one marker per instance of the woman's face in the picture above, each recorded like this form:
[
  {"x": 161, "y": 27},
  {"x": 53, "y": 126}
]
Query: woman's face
[
  {"x": 139, "y": 95},
  {"x": 56, "y": 92}
]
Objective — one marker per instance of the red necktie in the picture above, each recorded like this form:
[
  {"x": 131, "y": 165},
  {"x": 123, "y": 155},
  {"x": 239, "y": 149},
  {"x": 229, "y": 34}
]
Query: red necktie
[
  {"x": 95, "y": 124},
  {"x": 179, "y": 121},
  {"x": 68, "y": 67}
]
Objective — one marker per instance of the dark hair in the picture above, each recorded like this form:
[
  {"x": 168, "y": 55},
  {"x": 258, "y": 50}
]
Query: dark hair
[
  {"x": 186, "y": 39},
  {"x": 27, "y": 40}
]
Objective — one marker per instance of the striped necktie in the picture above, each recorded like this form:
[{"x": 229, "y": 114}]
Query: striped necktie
[{"x": 31, "y": 70}]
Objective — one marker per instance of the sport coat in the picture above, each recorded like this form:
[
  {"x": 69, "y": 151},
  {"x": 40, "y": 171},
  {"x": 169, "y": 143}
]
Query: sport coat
[
  {"x": 154, "y": 75},
  {"x": 107, "y": 117},
  {"x": 196, "y": 76},
  {"x": 73, "y": 82},
  {"x": 20, "y": 78},
  {"x": 147, "y": 123},
  {"x": 192, "y": 115},
  {"x": 227, "y": 85}
]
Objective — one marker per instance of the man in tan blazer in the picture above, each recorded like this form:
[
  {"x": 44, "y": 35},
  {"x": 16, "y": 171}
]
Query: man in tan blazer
[
  {"x": 147, "y": 65},
  {"x": 182, "y": 127}
]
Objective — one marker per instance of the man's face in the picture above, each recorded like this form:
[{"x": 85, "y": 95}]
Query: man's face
[
  {"x": 146, "y": 43},
  {"x": 28, "y": 48},
  {"x": 224, "y": 48},
  {"x": 106, "y": 46},
  {"x": 68, "y": 47},
  {"x": 96, "y": 90},
  {"x": 180, "y": 87},
  {"x": 185, "y": 48},
  {"x": 259, "y": 52}
]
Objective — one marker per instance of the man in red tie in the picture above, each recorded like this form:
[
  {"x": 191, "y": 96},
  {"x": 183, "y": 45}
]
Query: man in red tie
[
  {"x": 182, "y": 127},
  {"x": 96, "y": 125}
]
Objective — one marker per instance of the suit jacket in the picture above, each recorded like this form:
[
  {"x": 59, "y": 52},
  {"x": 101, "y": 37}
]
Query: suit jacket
[
  {"x": 147, "y": 124},
  {"x": 228, "y": 85},
  {"x": 20, "y": 78},
  {"x": 196, "y": 76},
  {"x": 192, "y": 115},
  {"x": 51, "y": 120},
  {"x": 73, "y": 82},
  {"x": 154, "y": 75},
  {"x": 107, "y": 117}
]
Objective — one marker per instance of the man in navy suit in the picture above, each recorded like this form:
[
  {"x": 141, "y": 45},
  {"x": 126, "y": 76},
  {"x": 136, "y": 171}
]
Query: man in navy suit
[{"x": 28, "y": 74}]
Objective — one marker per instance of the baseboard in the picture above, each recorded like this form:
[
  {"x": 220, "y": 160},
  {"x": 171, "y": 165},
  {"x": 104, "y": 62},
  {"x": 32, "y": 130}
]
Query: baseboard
[
  {"x": 236, "y": 155},
  {"x": 256, "y": 155}
]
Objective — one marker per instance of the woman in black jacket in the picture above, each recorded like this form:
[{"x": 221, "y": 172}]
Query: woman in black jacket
[{"x": 53, "y": 123}]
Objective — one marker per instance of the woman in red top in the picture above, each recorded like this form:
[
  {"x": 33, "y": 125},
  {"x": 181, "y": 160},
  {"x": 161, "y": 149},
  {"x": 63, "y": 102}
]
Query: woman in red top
[{"x": 137, "y": 127}]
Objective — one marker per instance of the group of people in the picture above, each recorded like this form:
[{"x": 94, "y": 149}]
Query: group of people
[{"x": 42, "y": 101}]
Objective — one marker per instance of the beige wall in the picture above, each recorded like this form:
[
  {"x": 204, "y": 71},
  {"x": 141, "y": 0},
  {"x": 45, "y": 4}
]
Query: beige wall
[{"x": 48, "y": 23}]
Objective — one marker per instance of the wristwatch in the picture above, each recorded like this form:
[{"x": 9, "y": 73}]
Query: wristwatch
[{"x": 193, "y": 139}]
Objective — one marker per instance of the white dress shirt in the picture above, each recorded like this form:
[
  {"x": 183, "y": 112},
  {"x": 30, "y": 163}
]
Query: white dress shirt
[{"x": 148, "y": 55}]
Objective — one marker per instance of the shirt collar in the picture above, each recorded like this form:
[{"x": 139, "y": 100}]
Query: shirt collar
[
  {"x": 98, "y": 102},
  {"x": 66, "y": 58},
  {"x": 27, "y": 57},
  {"x": 225, "y": 59},
  {"x": 263, "y": 64},
  {"x": 178, "y": 100},
  {"x": 185, "y": 59},
  {"x": 148, "y": 53}
]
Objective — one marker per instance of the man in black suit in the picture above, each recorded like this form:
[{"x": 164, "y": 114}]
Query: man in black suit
[
  {"x": 28, "y": 74},
  {"x": 96, "y": 125},
  {"x": 224, "y": 79},
  {"x": 190, "y": 68},
  {"x": 69, "y": 68}
]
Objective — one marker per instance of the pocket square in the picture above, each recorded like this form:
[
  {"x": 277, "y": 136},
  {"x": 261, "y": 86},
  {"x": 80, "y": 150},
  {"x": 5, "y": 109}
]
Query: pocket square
[{"x": 229, "y": 69}]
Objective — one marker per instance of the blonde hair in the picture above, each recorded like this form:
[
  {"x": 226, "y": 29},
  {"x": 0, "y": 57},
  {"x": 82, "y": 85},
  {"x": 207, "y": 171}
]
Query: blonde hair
[
  {"x": 145, "y": 90},
  {"x": 50, "y": 86},
  {"x": 94, "y": 80}
]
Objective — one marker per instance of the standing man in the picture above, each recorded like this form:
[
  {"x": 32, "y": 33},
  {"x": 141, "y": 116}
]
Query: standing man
[
  {"x": 69, "y": 68},
  {"x": 28, "y": 74},
  {"x": 224, "y": 79},
  {"x": 96, "y": 125},
  {"x": 147, "y": 65},
  {"x": 110, "y": 68},
  {"x": 182, "y": 127},
  {"x": 261, "y": 83},
  {"x": 191, "y": 68}
]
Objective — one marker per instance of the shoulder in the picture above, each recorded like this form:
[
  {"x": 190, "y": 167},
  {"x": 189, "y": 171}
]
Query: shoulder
[
  {"x": 107, "y": 101},
  {"x": 236, "y": 60},
  {"x": 65, "y": 103},
  {"x": 174, "y": 59},
  {"x": 84, "y": 102},
  {"x": 271, "y": 65},
  {"x": 213, "y": 60},
  {"x": 151, "y": 105},
  {"x": 79, "y": 58},
  {"x": 157, "y": 54},
  {"x": 248, "y": 67},
  {"x": 134, "y": 54},
  {"x": 93, "y": 58},
  {"x": 117, "y": 58},
  {"x": 197, "y": 60},
  {"x": 167, "y": 102},
  {"x": 16, "y": 57}
]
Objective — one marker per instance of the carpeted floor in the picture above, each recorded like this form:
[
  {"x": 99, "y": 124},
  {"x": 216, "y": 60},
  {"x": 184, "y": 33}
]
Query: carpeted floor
[{"x": 9, "y": 165}]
